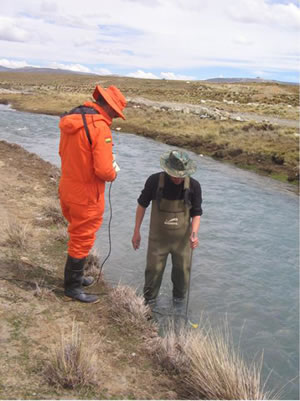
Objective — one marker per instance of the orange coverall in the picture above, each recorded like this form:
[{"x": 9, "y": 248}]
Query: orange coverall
[{"x": 85, "y": 168}]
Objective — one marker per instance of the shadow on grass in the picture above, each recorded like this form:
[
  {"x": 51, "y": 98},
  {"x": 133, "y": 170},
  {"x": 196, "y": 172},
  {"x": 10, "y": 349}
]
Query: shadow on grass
[{"x": 26, "y": 276}]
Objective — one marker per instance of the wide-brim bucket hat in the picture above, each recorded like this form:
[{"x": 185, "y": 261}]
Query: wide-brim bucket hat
[
  {"x": 113, "y": 96},
  {"x": 177, "y": 164}
]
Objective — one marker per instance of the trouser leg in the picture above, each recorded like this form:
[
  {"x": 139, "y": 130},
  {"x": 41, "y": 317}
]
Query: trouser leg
[
  {"x": 181, "y": 261},
  {"x": 156, "y": 263},
  {"x": 84, "y": 222}
]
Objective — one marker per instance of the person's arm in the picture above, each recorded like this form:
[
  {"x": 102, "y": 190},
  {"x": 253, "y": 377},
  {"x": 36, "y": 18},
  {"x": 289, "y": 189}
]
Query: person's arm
[
  {"x": 194, "y": 241},
  {"x": 196, "y": 213},
  {"x": 144, "y": 200},
  {"x": 139, "y": 216}
]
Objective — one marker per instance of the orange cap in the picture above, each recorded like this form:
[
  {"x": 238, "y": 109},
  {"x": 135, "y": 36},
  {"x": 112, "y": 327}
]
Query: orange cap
[{"x": 113, "y": 96}]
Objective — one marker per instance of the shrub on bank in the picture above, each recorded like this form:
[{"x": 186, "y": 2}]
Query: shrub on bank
[
  {"x": 207, "y": 364},
  {"x": 72, "y": 362},
  {"x": 18, "y": 235}
]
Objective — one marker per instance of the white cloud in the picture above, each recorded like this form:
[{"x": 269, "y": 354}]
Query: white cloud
[
  {"x": 163, "y": 75},
  {"x": 150, "y": 3},
  {"x": 261, "y": 12},
  {"x": 102, "y": 71},
  {"x": 49, "y": 7},
  {"x": 287, "y": 15},
  {"x": 172, "y": 76},
  {"x": 13, "y": 64},
  {"x": 146, "y": 36},
  {"x": 262, "y": 74},
  {"x": 242, "y": 40},
  {"x": 9, "y": 31},
  {"x": 83, "y": 41},
  {"x": 142, "y": 74},
  {"x": 193, "y": 5},
  {"x": 71, "y": 67}
]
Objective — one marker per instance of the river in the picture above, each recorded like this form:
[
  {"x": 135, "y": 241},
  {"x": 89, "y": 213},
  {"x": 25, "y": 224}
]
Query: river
[{"x": 246, "y": 267}]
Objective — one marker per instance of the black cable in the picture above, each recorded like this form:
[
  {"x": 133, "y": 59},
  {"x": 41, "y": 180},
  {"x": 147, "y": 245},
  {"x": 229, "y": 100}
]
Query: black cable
[
  {"x": 189, "y": 285},
  {"x": 109, "y": 233}
]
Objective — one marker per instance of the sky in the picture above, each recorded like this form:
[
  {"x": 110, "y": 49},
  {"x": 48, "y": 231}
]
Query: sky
[{"x": 170, "y": 39}]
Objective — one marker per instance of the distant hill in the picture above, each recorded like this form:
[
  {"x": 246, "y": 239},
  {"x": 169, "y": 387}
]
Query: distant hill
[
  {"x": 68, "y": 72},
  {"x": 245, "y": 80},
  {"x": 44, "y": 70}
]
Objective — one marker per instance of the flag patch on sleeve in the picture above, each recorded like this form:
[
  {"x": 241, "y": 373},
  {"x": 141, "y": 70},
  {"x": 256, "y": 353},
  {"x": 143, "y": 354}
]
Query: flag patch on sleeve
[{"x": 107, "y": 140}]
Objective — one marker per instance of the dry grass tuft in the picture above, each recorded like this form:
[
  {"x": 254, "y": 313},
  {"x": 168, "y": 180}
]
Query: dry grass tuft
[
  {"x": 61, "y": 234},
  {"x": 52, "y": 212},
  {"x": 208, "y": 365},
  {"x": 72, "y": 363},
  {"x": 128, "y": 308},
  {"x": 92, "y": 265},
  {"x": 217, "y": 371},
  {"x": 18, "y": 235},
  {"x": 168, "y": 351},
  {"x": 41, "y": 291},
  {"x": 93, "y": 260}
]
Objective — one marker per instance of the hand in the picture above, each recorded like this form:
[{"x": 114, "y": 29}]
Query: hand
[
  {"x": 194, "y": 242},
  {"x": 115, "y": 164},
  {"x": 136, "y": 240}
]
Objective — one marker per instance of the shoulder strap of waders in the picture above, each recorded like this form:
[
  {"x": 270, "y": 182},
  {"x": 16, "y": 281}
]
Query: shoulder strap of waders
[
  {"x": 83, "y": 110},
  {"x": 86, "y": 127},
  {"x": 186, "y": 191},
  {"x": 160, "y": 188}
]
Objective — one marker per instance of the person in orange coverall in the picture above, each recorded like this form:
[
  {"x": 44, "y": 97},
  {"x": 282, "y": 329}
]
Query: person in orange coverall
[{"x": 87, "y": 162}]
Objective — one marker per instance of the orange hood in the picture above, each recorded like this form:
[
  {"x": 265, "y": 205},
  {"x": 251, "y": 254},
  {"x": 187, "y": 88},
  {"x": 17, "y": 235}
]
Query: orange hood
[{"x": 72, "y": 122}]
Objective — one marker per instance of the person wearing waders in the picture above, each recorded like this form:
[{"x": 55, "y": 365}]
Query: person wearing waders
[
  {"x": 87, "y": 163},
  {"x": 175, "y": 219}
]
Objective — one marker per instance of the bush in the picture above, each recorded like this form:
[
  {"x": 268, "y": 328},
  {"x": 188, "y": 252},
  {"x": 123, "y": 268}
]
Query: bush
[
  {"x": 207, "y": 365},
  {"x": 18, "y": 235},
  {"x": 72, "y": 363}
]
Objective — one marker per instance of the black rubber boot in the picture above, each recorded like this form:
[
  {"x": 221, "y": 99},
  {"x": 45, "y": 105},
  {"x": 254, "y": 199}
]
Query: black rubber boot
[
  {"x": 73, "y": 281},
  {"x": 88, "y": 281}
]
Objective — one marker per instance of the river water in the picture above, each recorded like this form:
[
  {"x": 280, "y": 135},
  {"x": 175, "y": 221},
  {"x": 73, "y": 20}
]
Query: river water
[{"x": 246, "y": 267}]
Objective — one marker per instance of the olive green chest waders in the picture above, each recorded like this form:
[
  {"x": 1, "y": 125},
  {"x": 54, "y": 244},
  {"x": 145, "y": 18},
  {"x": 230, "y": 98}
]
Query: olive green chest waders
[{"x": 170, "y": 230}]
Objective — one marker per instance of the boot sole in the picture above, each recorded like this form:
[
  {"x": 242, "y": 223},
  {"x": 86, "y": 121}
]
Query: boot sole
[
  {"x": 69, "y": 299},
  {"x": 89, "y": 286}
]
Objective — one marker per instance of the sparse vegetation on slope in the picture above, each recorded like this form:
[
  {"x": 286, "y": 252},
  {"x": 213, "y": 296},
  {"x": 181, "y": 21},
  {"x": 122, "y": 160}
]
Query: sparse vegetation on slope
[{"x": 72, "y": 364}]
